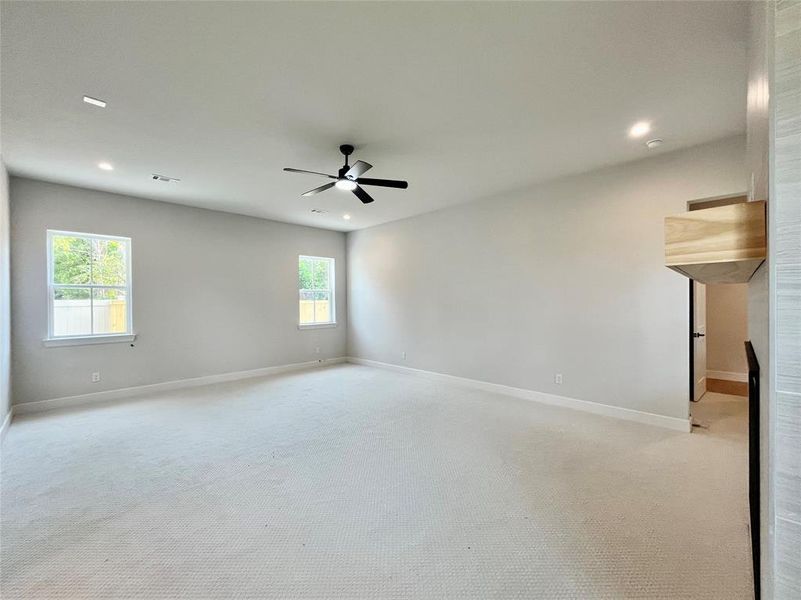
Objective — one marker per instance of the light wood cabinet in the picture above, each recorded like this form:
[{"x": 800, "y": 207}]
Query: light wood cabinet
[{"x": 724, "y": 244}]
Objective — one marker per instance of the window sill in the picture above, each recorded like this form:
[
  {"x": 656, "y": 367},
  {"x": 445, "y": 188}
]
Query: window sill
[
  {"x": 317, "y": 326},
  {"x": 88, "y": 340}
]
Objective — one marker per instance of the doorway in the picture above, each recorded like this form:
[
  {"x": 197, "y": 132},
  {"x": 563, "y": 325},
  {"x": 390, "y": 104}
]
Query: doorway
[
  {"x": 698, "y": 340},
  {"x": 724, "y": 373},
  {"x": 718, "y": 330},
  {"x": 727, "y": 331}
]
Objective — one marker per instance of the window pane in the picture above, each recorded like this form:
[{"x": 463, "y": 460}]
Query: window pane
[
  {"x": 321, "y": 274},
  {"x": 304, "y": 274},
  {"x": 109, "y": 264},
  {"x": 71, "y": 259},
  {"x": 322, "y": 307},
  {"x": 110, "y": 311},
  {"x": 306, "y": 308},
  {"x": 72, "y": 312}
]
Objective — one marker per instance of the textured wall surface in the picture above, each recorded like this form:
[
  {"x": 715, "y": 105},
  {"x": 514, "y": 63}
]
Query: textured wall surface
[
  {"x": 5, "y": 298},
  {"x": 586, "y": 253},
  {"x": 786, "y": 256},
  {"x": 212, "y": 292}
]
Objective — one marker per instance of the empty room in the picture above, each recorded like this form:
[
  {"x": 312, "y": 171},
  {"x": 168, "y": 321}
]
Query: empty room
[{"x": 400, "y": 300}]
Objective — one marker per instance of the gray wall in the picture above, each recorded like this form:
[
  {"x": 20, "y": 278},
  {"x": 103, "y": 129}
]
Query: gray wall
[
  {"x": 786, "y": 262},
  {"x": 566, "y": 277},
  {"x": 5, "y": 298},
  {"x": 212, "y": 292},
  {"x": 760, "y": 55}
]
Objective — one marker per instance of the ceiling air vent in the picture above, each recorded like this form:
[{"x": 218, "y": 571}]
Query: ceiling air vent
[
  {"x": 165, "y": 179},
  {"x": 317, "y": 211}
]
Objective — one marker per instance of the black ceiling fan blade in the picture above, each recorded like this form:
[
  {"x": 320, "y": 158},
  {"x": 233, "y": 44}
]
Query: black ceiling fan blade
[
  {"x": 290, "y": 170},
  {"x": 392, "y": 183},
  {"x": 317, "y": 190},
  {"x": 362, "y": 195},
  {"x": 357, "y": 169}
]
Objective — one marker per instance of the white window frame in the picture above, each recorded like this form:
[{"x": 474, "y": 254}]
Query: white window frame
[
  {"x": 95, "y": 338},
  {"x": 332, "y": 291}
]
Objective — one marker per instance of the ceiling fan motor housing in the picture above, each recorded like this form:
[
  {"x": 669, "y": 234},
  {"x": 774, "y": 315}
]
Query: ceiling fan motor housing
[{"x": 347, "y": 150}]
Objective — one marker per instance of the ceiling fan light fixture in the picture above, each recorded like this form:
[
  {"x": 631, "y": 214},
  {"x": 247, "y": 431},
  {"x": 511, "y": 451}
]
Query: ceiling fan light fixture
[
  {"x": 346, "y": 184},
  {"x": 349, "y": 178}
]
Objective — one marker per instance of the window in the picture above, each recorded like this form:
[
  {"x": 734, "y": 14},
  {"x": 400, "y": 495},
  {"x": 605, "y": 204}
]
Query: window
[
  {"x": 316, "y": 291},
  {"x": 89, "y": 285}
]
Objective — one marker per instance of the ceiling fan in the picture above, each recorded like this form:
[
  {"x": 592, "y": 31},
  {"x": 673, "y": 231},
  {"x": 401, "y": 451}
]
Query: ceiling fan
[{"x": 350, "y": 178}]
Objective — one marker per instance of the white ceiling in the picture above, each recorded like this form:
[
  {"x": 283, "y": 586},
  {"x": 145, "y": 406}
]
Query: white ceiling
[{"x": 465, "y": 101}]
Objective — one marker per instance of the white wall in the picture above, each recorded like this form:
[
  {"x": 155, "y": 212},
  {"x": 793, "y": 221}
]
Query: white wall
[
  {"x": 727, "y": 328},
  {"x": 567, "y": 277},
  {"x": 5, "y": 298},
  {"x": 212, "y": 292}
]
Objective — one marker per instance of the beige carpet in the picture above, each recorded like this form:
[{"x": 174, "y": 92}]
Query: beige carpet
[{"x": 354, "y": 482}]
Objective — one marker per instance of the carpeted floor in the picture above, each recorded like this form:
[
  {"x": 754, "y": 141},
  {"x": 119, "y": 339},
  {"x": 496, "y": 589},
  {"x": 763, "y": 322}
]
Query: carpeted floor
[{"x": 353, "y": 482}]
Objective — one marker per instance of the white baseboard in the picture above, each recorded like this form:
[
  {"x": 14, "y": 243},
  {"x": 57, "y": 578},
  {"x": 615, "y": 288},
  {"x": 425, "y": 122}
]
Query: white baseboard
[
  {"x": 727, "y": 376},
  {"x": 118, "y": 394},
  {"x": 542, "y": 397},
  {"x": 6, "y": 424}
]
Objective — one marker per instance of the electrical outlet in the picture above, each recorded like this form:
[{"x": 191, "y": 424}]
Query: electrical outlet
[
  {"x": 557, "y": 378},
  {"x": 317, "y": 350},
  {"x": 95, "y": 377},
  {"x": 403, "y": 354}
]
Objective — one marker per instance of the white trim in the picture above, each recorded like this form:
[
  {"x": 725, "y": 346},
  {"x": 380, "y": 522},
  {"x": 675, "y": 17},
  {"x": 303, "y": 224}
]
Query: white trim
[
  {"x": 128, "y": 287},
  {"x": 727, "y": 376},
  {"x": 6, "y": 424},
  {"x": 118, "y": 394},
  {"x": 617, "y": 412},
  {"x": 332, "y": 293},
  {"x": 542, "y": 397},
  {"x": 83, "y": 340}
]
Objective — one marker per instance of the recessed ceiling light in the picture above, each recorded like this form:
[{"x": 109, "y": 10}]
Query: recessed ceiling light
[
  {"x": 346, "y": 217},
  {"x": 105, "y": 166},
  {"x": 346, "y": 184},
  {"x": 94, "y": 101},
  {"x": 655, "y": 143},
  {"x": 640, "y": 129},
  {"x": 165, "y": 178}
]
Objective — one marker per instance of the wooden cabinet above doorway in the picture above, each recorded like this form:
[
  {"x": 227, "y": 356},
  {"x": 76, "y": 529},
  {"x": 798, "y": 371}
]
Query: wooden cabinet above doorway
[{"x": 724, "y": 244}]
